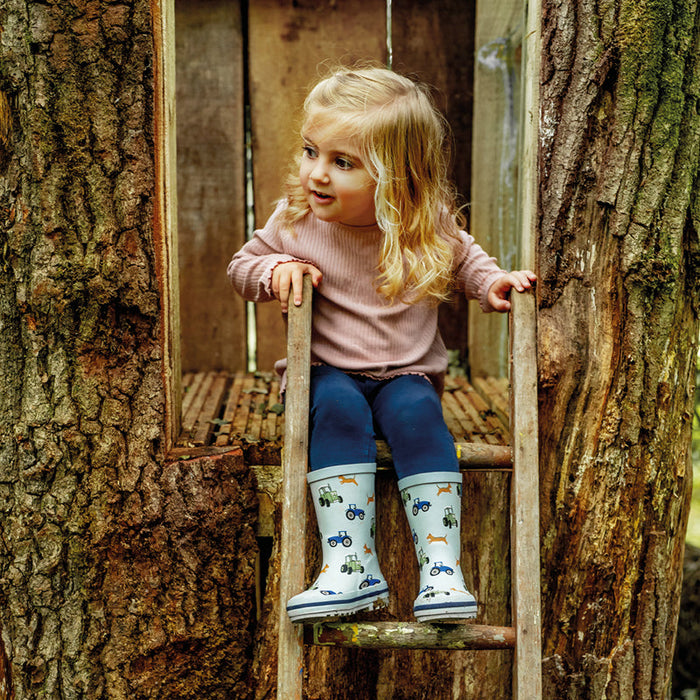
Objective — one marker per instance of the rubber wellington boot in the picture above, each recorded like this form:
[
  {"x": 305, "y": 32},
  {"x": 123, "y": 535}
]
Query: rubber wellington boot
[
  {"x": 350, "y": 578},
  {"x": 432, "y": 502}
]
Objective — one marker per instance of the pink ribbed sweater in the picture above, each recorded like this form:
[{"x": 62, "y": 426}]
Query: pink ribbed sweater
[{"x": 354, "y": 327}]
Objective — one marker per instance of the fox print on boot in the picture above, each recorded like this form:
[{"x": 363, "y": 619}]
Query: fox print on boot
[
  {"x": 350, "y": 579},
  {"x": 432, "y": 502}
]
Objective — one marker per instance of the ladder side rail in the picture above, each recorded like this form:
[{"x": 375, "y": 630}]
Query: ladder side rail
[
  {"x": 525, "y": 540},
  {"x": 290, "y": 647},
  {"x": 525, "y": 536}
]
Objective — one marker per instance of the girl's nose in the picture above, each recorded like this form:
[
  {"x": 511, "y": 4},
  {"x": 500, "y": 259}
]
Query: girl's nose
[{"x": 319, "y": 172}]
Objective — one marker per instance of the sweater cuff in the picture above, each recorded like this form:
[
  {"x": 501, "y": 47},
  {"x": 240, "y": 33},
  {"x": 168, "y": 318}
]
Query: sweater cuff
[{"x": 279, "y": 260}]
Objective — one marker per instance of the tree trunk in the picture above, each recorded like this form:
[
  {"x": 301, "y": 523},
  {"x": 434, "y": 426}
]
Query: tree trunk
[
  {"x": 619, "y": 265},
  {"x": 121, "y": 576}
]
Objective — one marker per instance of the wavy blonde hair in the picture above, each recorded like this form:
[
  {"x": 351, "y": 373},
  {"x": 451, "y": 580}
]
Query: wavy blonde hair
[{"x": 402, "y": 140}]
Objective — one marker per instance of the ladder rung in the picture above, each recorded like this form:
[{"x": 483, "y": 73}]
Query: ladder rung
[
  {"x": 409, "y": 635},
  {"x": 472, "y": 456}
]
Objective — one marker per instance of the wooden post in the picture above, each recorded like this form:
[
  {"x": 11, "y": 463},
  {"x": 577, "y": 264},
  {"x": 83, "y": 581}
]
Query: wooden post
[
  {"x": 525, "y": 547},
  {"x": 290, "y": 650},
  {"x": 530, "y": 135},
  {"x": 527, "y": 676}
]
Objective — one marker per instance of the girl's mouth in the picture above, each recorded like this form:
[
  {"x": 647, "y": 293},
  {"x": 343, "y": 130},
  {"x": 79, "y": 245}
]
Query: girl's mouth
[{"x": 321, "y": 195}]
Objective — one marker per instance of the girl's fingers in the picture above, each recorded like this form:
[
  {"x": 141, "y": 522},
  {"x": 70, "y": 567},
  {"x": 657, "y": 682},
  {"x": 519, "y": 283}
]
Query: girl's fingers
[
  {"x": 523, "y": 279},
  {"x": 297, "y": 285},
  {"x": 283, "y": 294},
  {"x": 288, "y": 280}
]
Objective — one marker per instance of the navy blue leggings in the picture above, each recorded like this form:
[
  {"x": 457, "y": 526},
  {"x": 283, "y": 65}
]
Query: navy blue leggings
[{"x": 349, "y": 412}]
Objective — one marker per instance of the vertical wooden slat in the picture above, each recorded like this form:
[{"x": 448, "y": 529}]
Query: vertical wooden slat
[
  {"x": 290, "y": 651},
  {"x": 165, "y": 210},
  {"x": 495, "y": 163},
  {"x": 287, "y": 43},
  {"x": 527, "y": 680},
  {"x": 418, "y": 30},
  {"x": 211, "y": 161},
  {"x": 525, "y": 502},
  {"x": 434, "y": 42},
  {"x": 530, "y": 134}
]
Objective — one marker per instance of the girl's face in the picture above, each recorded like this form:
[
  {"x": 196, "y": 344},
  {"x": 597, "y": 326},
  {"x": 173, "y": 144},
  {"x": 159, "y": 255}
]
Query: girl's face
[{"x": 335, "y": 181}]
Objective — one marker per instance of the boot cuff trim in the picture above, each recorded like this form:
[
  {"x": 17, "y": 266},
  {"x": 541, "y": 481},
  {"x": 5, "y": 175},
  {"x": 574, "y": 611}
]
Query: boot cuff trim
[
  {"x": 430, "y": 478},
  {"x": 340, "y": 470}
]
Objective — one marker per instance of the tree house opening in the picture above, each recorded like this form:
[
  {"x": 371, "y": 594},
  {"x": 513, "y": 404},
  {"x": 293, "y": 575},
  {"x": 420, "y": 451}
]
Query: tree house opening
[{"x": 240, "y": 71}]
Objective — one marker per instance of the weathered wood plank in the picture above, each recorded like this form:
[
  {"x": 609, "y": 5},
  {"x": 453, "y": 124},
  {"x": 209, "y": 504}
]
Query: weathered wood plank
[
  {"x": 210, "y": 181},
  {"x": 211, "y": 407},
  {"x": 472, "y": 456},
  {"x": 494, "y": 430},
  {"x": 495, "y": 396},
  {"x": 409, "y": 635},
  {"x": 494, "y": 193},
  {"x": 258, "y": 408},
  {"x": 525, "y": 505},
  {"x": 434, "y": 42},
  {"x": 273, "y": 404},
  {"x": 450, "y": 415},
  {"x": 468, "y": 429},
  {"x": 290, "y": 655},
  {"x": 467, "y": 403},
  {"x": 525, "y": 501},
  {"x": 165, "y": 235},
  {"x": 190, "y": 389},
  {"x": 287, "y": 42},
  {"x": 199, "y": 391},
  {"x": 239, "y": 425},
  {"x": 230, "y": 410},
  {"x": 182, "y": 452}
]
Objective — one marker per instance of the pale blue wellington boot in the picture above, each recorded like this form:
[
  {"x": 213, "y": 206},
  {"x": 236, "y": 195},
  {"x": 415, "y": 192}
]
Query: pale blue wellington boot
[
  {"x": 432, "y": 502},
  {"x": 350, "y": 578}
]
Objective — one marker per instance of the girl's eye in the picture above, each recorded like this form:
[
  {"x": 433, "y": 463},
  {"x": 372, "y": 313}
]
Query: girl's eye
[
  {"x": 309, "y": 152},
  {"x": 343, "y": 163}
]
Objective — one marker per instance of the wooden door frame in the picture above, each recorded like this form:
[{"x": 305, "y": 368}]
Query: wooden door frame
[{"x": 165, "y": 211}]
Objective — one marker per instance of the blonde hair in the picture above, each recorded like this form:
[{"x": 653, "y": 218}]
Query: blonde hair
[{"x": 401, "y": 138}]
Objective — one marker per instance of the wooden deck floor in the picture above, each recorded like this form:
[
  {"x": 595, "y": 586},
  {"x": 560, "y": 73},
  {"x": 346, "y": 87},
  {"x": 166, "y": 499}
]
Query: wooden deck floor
[{"x": 221, "y": 410}]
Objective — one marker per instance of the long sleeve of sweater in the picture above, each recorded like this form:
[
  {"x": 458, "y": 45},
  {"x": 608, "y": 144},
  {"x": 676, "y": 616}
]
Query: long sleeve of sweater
[
  {"x": 250, "y": 270},
  {"x": 354, "y": 327}
]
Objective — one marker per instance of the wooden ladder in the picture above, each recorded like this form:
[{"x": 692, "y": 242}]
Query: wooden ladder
[{"x": 524, "y": 634}]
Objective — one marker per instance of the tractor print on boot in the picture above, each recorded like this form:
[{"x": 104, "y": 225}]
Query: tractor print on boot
[
  {"x": 432, "y": 504},
  {"x": 350, "y": 578}
]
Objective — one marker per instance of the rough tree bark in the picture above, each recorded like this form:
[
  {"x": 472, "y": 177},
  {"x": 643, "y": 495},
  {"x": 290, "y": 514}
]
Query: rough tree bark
[
  {"x": 121, "y": 576},
  {"x": 619, "y": 303}
]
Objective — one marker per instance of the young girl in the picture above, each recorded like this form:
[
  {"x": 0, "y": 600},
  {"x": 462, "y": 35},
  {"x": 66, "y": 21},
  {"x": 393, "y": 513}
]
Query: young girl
[{"x": 371, "y": 217}]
